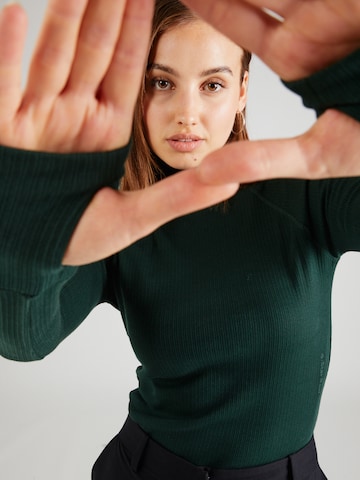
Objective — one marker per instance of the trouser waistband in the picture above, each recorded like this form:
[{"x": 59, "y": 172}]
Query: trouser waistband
[{"x": 148, "y": 455}]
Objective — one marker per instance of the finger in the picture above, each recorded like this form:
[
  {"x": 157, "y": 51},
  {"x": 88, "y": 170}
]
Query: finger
[
  {"x": 311, "y": 37},
  {"x": 115, "y": 220},
  {"x": 55, "y": 50},
  {"x": 247, "y": 25},
  {"x": 251, "y": 27},
  {"x": 280, "y": 8},
  {"x": 212, "y": 11},
  {"x": 282, "y": 48},
  {"x": 239, "y": 20},
  {"x": 251, "y": 161},
  {"x": 97, "y": 40},
  {"x": 322, "y": 152},
  {"x": 122, "y": 81},
  {"x": 13, "y": 25}
]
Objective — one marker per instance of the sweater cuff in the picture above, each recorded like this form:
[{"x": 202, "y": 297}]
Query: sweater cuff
[
  {"x": 42, "y": 197},
  {"x": 337, "y": 87}
]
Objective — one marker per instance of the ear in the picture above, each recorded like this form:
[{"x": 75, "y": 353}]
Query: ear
[{"x": 243, "y": 91}]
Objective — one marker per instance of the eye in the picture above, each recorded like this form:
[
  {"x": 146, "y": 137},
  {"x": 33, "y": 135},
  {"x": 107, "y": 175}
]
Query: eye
[
  {"x": 213, "y": 87},
  {"x": 160, "y": 84}
]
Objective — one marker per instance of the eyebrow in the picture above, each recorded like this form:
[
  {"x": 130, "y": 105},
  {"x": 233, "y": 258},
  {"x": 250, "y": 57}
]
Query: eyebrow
[
  {"x": 212, "y": 71},
  {"x": 204, "y": 73}
]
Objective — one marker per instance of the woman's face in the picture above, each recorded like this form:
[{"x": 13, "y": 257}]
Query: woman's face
[{"x": 192, "y": 94}]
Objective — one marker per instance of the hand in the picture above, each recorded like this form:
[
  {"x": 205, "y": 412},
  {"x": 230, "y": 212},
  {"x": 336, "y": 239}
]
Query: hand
[
  {"x": 114, "y": 220},
  {"x": 310, "y": 36},
  {"x": 321, "y": 152},
  {"x": 84, "y": 76}
]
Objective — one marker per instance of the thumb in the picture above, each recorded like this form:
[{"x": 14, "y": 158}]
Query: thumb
[
  {"x": 329, "y": 149},
  {"x": 114, "y": 220}
]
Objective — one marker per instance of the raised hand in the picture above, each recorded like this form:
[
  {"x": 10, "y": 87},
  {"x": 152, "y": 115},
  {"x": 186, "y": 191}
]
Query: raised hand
[
  {"x": 305, "y": 36},
  {"x": 84, "y": 76}
]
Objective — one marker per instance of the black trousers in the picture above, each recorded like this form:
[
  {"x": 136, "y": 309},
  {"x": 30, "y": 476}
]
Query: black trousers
[{"x": 132, "y": 455}]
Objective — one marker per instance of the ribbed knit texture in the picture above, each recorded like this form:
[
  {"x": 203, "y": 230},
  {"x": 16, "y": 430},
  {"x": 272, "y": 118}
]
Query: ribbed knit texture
[
  {"x": 42, "y": 197},
  {"x": 228, "y": 312},
  {"x": 334, "y": 87}
]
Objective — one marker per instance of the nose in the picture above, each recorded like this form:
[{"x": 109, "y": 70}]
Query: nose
[
  {"x": 186, "y": 120},
  {"x": 187, "y": 110}
]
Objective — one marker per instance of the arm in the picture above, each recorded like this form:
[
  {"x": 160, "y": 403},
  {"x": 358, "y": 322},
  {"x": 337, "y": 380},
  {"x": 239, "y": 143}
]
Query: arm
[
  {"x": 32, "y": 325},
  {"x": 336, "y": 87},
  {"x": 82, "y": 85},
  {"x": 42, "y": 197}
]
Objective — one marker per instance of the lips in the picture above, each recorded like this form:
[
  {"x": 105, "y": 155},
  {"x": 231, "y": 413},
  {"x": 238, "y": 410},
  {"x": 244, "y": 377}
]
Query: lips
[{"x": 185, "y": 142}]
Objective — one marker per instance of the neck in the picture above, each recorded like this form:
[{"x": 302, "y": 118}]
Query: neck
[{"x": 165, "y": 169}]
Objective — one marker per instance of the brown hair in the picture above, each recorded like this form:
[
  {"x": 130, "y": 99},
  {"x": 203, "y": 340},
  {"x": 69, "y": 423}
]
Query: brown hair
[{"x": 141, "y": 167}]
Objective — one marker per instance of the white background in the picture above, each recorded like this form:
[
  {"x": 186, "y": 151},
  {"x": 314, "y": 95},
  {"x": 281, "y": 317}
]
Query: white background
[{"x": 56, "y": 415}]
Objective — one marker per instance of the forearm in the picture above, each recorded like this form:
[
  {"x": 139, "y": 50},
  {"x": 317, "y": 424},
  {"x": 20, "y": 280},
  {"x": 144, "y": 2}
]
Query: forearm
[
  {"x": 42, "y": 197},
  {"x": 336, "y": 87}
]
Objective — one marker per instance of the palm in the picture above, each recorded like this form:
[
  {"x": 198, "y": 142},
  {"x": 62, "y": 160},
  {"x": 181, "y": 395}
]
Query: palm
[
  {"x": 67, "y": 124},
  {"x": 310, "y": 36},
  {"x": 84, "y": 76}
]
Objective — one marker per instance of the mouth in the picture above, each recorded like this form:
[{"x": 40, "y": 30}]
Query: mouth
[{"x": 185, "y": 143}]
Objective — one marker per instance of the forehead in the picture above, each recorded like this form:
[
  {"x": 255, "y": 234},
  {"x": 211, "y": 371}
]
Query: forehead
[{"x": 196, "y": 44}]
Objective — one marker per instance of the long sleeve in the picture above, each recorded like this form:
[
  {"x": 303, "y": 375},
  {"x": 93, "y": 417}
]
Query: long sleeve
[
  {"x": 334, "y": 203},
  {"x": 334, "y": 87},
  {"x": 42, "y": 197}
]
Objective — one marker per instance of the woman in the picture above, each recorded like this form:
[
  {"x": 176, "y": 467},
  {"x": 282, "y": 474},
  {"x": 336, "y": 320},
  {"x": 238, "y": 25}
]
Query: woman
[
  {"x": 233, "y": 329},
  {"x": 216, "y": 388}
]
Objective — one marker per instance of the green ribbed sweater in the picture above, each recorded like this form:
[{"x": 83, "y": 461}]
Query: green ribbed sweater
[{"x": 228, "y": 312}]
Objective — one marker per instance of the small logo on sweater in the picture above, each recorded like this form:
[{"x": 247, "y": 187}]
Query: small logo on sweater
[{"x": 322, "y": 373}]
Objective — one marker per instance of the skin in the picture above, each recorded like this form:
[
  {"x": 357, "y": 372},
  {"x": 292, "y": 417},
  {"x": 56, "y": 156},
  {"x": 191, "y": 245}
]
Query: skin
[
  {"x": 311, "y": 36},
  {"x": 73, "y": 100},
  {"x": 183, "y": 91},
  {"x": 73, "y": 91}
]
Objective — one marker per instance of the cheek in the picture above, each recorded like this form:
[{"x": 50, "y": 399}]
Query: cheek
[{"x": 223, "y": 122}]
